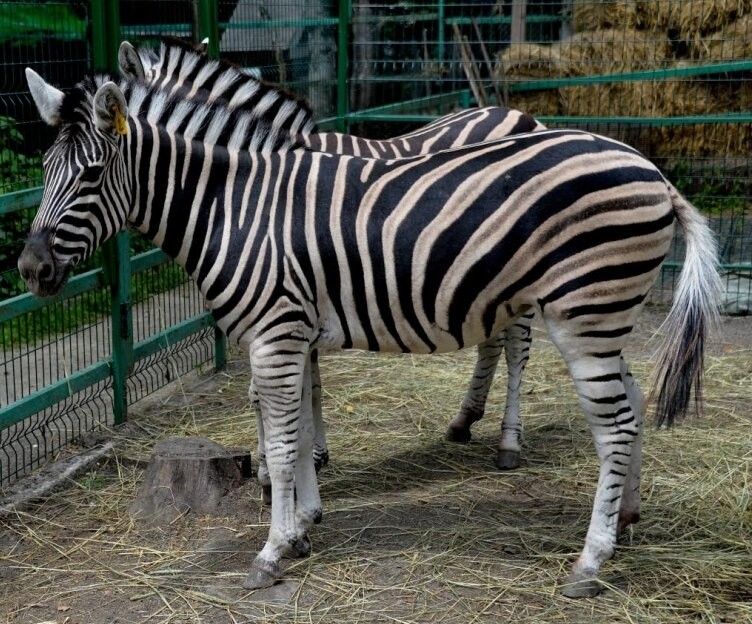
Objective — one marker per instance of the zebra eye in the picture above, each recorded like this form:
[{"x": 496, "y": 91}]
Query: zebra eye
[{"x": 92, "y": 173}]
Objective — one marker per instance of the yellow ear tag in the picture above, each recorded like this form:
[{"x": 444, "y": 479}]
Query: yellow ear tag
[{"x": 121, "y": 126}]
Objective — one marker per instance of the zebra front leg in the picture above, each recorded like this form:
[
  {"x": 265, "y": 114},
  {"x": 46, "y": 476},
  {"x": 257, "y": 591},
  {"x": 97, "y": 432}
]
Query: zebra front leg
[
  {"x": 320, "y": 448},
  {"x": 263, "y": 472},
  {"x": 517, "y": 351},
  {"x": 614, "y": 427},
  {"x": 279, "y": 368},
  {"x": 474, "y": 404}
]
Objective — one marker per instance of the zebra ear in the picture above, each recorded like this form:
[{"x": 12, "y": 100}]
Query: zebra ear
[
  {"x": 48, "y": 99},
  {"x": 203, "y": 47},
  {"x": 110, "y": 109},
  {"x": 130, "y": 62}
]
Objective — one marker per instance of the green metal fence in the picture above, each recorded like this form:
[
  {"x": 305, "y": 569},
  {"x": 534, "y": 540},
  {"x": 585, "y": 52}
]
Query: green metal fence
[{"x": 671, "y": 77}]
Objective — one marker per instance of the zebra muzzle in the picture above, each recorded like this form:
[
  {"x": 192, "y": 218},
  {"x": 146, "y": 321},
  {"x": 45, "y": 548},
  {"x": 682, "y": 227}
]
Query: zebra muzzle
[{"x": 37, "y": 266}]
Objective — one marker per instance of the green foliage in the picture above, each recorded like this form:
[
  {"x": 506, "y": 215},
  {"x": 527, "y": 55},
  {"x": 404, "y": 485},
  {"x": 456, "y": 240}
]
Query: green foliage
[
  {"x": 66, "y": 316},
  {"x": 16, "y": 169},
  {"x": 712, "y": 192},
  {"x": 27, "y": 24}
]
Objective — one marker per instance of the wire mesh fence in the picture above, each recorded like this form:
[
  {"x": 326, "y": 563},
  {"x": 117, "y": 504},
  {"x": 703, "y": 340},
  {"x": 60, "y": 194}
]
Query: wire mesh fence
[
  {"x": 45, "y": 346},
  {"x": 670, "y": 77}
]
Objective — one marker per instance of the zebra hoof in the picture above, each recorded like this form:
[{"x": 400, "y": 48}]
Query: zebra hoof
[
  {"x": 321, "y": 461},
  {"x": 263, "y": 574},
  {"x": 579, "y": 585},
  {"x": 266, "y": 494},
  {"x": 507, "y": 460},
  {"x": 625, "y": 519},
  {"x": 458, "y": 435},
  {"x": 300, "y": 549}
]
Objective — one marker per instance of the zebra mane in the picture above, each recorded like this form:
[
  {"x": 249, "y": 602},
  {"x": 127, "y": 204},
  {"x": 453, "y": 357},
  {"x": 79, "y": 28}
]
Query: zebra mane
[
  {"x": 183, "y": 70},
  {"x": 213, "y": 124}
]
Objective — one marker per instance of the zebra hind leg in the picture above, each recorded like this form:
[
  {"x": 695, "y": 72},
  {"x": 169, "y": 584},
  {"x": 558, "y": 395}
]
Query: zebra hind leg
[
  {"x": 615, "y": 429},
  {"x": 308, "y": 509},
  {"x": 320, "y": 448},
  {"x": 263, "y": 471},
  {"x": 629, "y": 512},
  {"x": 474, "y": 403},
  {"x": 517, "y": 351}
]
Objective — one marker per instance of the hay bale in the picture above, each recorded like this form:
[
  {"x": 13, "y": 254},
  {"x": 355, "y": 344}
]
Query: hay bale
[
  {"x": 587, "y": 15},
  {"x": 610, "y": 51},
  {"x": 732, "y": 43},
  {"x": 692, "y": 20},
  {"x": 522, "y": 62},
  {"x": 705, "y": 141}
]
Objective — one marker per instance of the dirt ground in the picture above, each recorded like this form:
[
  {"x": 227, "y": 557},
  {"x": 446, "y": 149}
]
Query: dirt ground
[{"x": 415, "y": 529}]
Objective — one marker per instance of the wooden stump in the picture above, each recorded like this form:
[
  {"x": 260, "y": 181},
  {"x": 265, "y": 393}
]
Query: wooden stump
[{"x": 188, "y": 474}]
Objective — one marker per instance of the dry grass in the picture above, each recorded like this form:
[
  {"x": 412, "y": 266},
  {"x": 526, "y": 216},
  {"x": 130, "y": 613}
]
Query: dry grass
[{"x": 415, "y": 529}]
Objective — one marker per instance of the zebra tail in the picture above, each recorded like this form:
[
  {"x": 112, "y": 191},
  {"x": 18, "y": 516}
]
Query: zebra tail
[{"x": 679, "y": 363}]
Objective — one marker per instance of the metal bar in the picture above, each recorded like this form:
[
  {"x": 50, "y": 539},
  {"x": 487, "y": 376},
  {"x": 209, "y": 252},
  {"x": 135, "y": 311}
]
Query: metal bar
[
  {"x": 519, "y": 21},
  {"x": 20, "y": 200},
  {"x": 25, "y": 303},
  {"x": 208, "y": 23},
  {"x": 440, "y": 37},
  {"x": 407, "y": 118},
  {"x": 501, "y": 19},
  {"x": 172, "y": 335},
  {"x": 220, "y": 349},
  {"x": 148, "y": 259},
  {"x": 58, "y": 391},
  {"x": 304, "y": 22},
  {"x": 500, "y": 98},
  {"x": 155, "y": 30},
  {"x": 433, "y": 100},
  {"x": 343, "y": 29},
  {"x": 115, "y": 253},
  {"x": 654, "y": 121},
  {"x": 676, "y": 264},
  {"x": 648, "y": 74}
]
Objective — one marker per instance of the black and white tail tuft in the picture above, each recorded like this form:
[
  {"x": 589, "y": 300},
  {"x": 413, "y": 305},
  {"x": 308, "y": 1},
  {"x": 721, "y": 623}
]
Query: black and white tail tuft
[{"x": 679, "y": 363}]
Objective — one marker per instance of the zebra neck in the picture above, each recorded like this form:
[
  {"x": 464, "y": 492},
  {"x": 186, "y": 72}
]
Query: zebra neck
[{"x": 183, "y": 190}]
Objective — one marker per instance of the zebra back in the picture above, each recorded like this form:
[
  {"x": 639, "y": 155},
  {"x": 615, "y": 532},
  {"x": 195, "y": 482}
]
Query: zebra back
[{"x": 180, "y": 69}]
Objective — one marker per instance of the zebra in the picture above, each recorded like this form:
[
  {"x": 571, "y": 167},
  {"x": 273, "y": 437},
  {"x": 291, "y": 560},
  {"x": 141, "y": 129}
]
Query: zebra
[
  {"x": 295, "y": 250},
  {"x": 182, "y": 70}
]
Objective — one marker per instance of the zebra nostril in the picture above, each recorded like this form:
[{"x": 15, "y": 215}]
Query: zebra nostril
[{"x": 45, "y": 271}]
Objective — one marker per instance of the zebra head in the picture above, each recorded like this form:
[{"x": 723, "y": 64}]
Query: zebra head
[{"x": 86, "y": 197}]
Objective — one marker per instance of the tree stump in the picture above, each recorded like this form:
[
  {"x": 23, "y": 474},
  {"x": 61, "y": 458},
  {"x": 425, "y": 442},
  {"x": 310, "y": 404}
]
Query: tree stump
[{"x": 188, "y": 474}]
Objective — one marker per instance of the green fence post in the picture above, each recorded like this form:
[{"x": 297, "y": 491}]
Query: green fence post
[
  {"x": 208, "y": 25},
  {"x": 440, "y": 42},
  {"x": 115, "y": 253},
  {"x": 343, "y": 29}
]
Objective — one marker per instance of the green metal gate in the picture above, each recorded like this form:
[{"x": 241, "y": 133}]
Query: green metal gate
[{"x": 671, "y": 77}]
